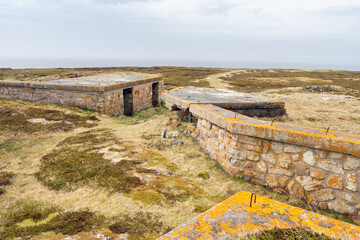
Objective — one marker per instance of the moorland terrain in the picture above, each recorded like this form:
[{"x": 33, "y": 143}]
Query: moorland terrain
[{"x": 67, "y": 171}]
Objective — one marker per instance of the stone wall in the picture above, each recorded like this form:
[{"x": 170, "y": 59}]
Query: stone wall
[
  {"x": 323, "y": 177},
  {"x": 88, "y": 100}
]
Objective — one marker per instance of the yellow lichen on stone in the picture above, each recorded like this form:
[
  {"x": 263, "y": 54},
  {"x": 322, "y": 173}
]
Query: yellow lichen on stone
[{"x": 234, "y": 216}]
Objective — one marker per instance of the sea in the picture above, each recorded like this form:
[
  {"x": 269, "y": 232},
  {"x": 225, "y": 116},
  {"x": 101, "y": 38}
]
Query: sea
[{"x": 19, "y": 63}]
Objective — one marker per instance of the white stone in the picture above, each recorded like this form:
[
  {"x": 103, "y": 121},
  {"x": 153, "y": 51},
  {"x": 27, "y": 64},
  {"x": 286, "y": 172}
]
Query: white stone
[
  {"x": 331, "y": 166},
  {"x": 309, "y": 183},
  {"x": 309, "y": 158},
  {"x": 293, "y": 149},
  {"x": 351, "y": 163}
]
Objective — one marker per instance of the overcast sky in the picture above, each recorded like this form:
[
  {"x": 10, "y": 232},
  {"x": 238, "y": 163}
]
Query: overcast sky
[{"x": 242, "y": 33}]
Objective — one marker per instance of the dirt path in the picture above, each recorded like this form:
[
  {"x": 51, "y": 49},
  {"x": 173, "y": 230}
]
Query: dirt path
[{"x": 215, "y": 80}]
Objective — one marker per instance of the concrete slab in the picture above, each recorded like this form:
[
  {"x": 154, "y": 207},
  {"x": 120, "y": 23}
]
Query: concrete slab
[
  {"x": 234, "y": 218},
  {"x": 183, "y": 97},
  {"x": 101, "y": 80}
]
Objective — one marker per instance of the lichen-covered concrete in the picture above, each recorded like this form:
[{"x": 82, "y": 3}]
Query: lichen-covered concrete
[{"x": 235, "y": 218}]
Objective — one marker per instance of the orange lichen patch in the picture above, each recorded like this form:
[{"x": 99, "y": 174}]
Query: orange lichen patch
[{"x": 234, "y": 216}]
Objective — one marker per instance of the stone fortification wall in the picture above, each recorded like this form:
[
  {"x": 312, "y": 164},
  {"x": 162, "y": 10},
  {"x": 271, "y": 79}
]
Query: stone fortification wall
[
  {"x": 319, "y": 166},
  {"x": 82, "y": 99}
]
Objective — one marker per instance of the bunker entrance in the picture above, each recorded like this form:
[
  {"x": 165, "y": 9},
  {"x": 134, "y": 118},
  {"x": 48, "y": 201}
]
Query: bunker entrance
[
  {"x": 128, "y": 102},
  {"x": 155, "y": 94}
]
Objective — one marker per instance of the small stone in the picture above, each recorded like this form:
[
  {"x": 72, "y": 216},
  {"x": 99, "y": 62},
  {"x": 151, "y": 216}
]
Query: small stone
[
  {"x": 323, "y": 206},
  {"x": 173, "y": 135},
  {"x": 350, "y": 198},
  {"x": 249, "y": 165},
  {"x": 331, "y": 166},
  {"x": 176, "y": 123},
  {"x": 295, "y": 190},
  {"x": 321, "y": 153},
  {"x": 357, "y": 207},
  {"x": 335, "y": 181},
  {"x": 351, "y": 163},
  {"x": 293, "y": 149},
  {"x": 340, "y": 206},
  {"x": 309, "y": 158},
  {"x": 261, "y": 167},
  {"x": 177, "y": 142},
  {"x": 279, "y": 171},
  {"x": 350, "y": 182},
  {"x": 277, "y": 147},
  {"x": 253, "y": 156},
  {"x": 310, "y": 199},
  {"x": 355, "y": 218},
  {"x": 271, "y": 158},
  {"x": 163, "y": 133},
  {"x": 309, "y": 183},
  {"x": 271, "y": 181},
  {"x": 317, "y": 173},
  {"x": 335, "y": 155},
  {"x": 295, "y": 157},
  {"x": 301, "y": 169},
  {"x": 325, "y": 195},
  {"x": 284, "y": 161},
  {"x": 283, "y": 181}
]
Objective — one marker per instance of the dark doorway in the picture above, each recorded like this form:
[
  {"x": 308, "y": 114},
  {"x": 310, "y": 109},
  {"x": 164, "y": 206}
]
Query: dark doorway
[
  {"x": 128, "y": 102},
  {"x": 155, "y": 94}
]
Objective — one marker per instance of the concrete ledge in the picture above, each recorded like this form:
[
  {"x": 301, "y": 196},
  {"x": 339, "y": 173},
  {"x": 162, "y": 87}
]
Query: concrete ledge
[
  {"x": 234, "y": 218},
  {"x": 302, "y": 136},
  {"x": 183, "y": 97}
]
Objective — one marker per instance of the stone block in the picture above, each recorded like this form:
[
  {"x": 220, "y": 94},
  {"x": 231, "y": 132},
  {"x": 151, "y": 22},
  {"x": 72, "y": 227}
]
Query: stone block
[
  {"x": 309, "y": 183},
  {"x": 310, "y": 158},
  {"x": 283, "y": 181},
  {"x": 261, "y": 167},
  {"x": 253, "y": 156},
  {"x": 351, "y": 182},
  {"x": 335, "y": 155},
  {"x": 284, "y": 161},
  {"x": 293, "y": 149},
  {"x": 269, "y": 157},
  {"x": 317, "y": 173},
  {"x": 335, "y": 181},
  {"x": 341, "y": 207},
  {"x": 325, "y": 195},
  {"x": 279, "y": 171},
  {"x": 300, "y": 169},
  {"x": 351, "y": 163},
  {"x": 295, "y": 157},
  {"x": 295, "y": 190},
  {"x": 350, "y": 198},
  {"x": 277, "y": 147},
  {"x": 333, "y": 166},
  {"x": 271, "y": 181}
]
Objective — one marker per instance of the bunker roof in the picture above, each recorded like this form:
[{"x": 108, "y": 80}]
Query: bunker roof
[
  {"x": 99, "y": 83},
  {"x": 183, "y": 97}
]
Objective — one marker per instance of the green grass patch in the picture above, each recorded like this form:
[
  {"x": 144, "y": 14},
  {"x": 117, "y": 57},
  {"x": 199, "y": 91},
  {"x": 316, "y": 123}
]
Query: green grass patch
[
  {"x": 5, "y": 178},
  {"x": 255, "y": 80},
  {"x": 17, "y": 117},
  {"x": 288, "y": 234},
  {"x": 142, "y": 116},
  {"x": 27, "y": 219},
  {"x": 140, "y": 225}
]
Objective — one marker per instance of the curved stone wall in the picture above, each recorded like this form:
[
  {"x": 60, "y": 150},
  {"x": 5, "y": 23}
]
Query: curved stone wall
[{"x": 317, "y": 165}]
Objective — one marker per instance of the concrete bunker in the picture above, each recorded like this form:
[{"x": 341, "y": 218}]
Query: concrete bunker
[{"x": 112, "y": 94}]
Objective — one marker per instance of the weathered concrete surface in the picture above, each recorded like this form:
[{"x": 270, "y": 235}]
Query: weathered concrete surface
[
  {"x": 184, "y": 97},
  {"x": 235, "y": 218},
  {"x": 101, "y": 80}
]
